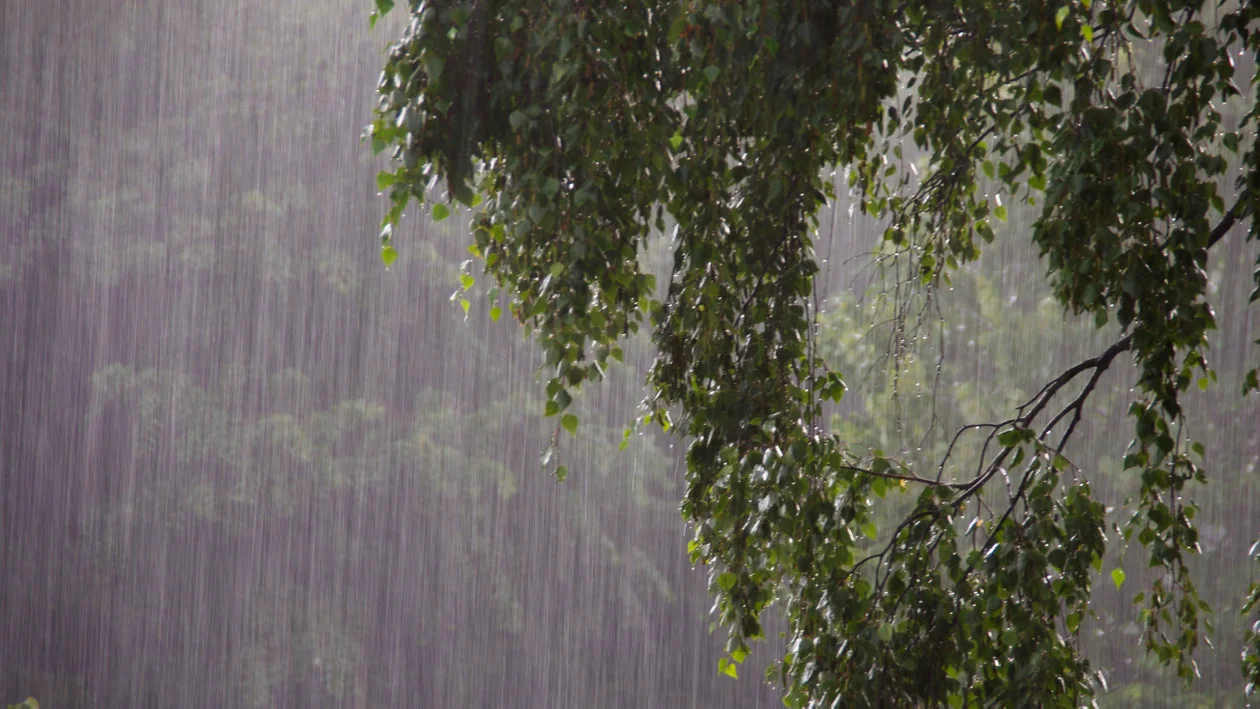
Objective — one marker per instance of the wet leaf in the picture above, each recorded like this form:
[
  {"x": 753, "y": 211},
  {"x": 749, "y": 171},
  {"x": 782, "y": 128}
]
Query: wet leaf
[
  {"x": 388, "y": 255},
  {"x": 1117, "y": 577}
]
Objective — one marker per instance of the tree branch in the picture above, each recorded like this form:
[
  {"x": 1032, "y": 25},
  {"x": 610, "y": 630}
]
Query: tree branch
[{"x": 1227, "y": 222}]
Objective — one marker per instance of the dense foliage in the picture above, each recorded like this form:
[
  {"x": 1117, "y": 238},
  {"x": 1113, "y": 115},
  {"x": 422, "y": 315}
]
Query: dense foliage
[{"x": 578, "y": 129}]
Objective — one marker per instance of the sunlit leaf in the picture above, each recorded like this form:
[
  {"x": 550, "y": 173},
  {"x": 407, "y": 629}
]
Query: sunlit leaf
[
  {"x": 1117, "y": 577},
  {"x": 388, "y": 255}
]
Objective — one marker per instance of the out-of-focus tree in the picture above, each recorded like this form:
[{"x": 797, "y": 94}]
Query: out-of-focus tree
[
  {"x": 206, "y": 501},
  {"x": 576, "y": 128}
]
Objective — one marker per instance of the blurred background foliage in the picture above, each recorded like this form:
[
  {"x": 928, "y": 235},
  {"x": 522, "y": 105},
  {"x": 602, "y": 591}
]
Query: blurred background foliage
[{"x": 240, "y": 464}]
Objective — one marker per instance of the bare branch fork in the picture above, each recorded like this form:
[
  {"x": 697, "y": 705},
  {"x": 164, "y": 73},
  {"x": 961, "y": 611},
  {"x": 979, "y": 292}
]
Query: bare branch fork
[
  {"x": 1029, "y": 410},
  {"x": 1026, "y": 414}
]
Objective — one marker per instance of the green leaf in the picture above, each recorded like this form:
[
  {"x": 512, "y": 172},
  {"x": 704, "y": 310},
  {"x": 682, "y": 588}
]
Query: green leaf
[
  {"x": 675, "y": 142},
  {"x": 885, "y": 632},
  {"x": 433, "y": 65},
  {"x": 739, "y": 654},
  {"x": 385, "y": 179},
  {"x": 466, "y": 281},
  {"x": 562, "y": 400},
  {"x": 570, "y": 423},
  {"x": 711, "y": 73},
  {"x": 726, "y": 580},
  {"x": 517, "y": 119},
  {"x": 730, "y": 671},
  {"x": 1117, "y": 577},
  {"x": 384, "y": 6},
  {"x": 1060, "y": 463},
  {"x": 1087, "y": 32},
  {"x": 551, "y": 186},
  {"x": 879, "y": 485},
  {"x": 464, "y": 305},
  {"x": 1000, "y": 212},
  {"x": 870, "y": 531},
  {"x": 676, "y": 28},
  {"x": 388, "y": 255},
  {"x": 1010, "y": 438},
  {"x": 495, "y": 313},
  {"x": 1061, "y": 15},
  {"x": 559, "y": 70},
  {"x": 440, "y": 212}
]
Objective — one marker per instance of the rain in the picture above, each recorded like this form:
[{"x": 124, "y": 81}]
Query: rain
[{"x": 244, "y": 463}]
